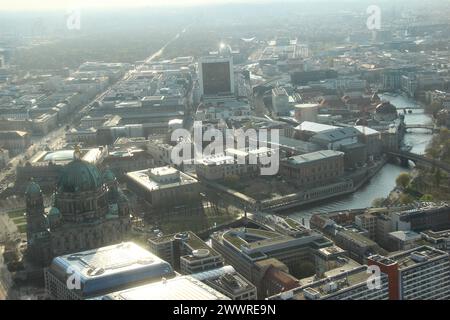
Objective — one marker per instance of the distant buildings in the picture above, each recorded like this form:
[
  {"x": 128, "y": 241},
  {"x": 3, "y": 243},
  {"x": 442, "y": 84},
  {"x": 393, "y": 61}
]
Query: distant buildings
[
  {"x": 15, "y": 142},
  {"x": 306, "y": 112},
  {"x": 280, "y": 101}
]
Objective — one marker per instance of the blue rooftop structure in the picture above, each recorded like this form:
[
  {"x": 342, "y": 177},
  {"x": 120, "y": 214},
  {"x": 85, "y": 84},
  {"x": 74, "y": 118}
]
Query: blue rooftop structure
[{"x": 110, "y": 268}]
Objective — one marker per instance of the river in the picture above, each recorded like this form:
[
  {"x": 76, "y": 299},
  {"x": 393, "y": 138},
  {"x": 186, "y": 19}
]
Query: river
[{"x": 384, "y": 181}]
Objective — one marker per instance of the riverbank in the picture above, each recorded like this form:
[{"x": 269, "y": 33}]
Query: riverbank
[
  {"x": 358, "y": 183},
  {"x": 348, "y": 184},
  {"x": 427, "y": 184}
]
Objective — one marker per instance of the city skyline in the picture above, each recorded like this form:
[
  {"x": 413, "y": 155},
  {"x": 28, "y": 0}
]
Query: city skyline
[{"x": 225, "y": 150}]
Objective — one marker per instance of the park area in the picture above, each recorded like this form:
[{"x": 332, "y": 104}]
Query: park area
[{"x": 19, "y": 219}]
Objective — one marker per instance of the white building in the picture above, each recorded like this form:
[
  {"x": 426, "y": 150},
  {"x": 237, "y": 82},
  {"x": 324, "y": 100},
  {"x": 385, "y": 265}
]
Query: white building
[
  {"x": 422, "y": 273},
  {"x": 345, "y": 285}
]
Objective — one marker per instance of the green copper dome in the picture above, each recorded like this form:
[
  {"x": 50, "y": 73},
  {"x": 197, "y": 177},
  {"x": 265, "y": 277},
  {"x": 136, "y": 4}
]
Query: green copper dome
[
  {"x": 54, "y": 211},
  {"x": 33, "y": 189},
  {"x": 79, "y": 176},
  {"x": 108, "y": 175}
]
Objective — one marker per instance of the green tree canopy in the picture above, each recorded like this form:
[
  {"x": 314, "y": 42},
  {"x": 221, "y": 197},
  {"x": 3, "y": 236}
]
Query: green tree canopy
[{"x": 403, "y": 180}]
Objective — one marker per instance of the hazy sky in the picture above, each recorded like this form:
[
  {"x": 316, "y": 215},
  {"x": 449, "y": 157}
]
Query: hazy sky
[{"x": 65, "y": 4}]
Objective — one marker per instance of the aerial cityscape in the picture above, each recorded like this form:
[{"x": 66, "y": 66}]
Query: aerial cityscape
[{"x": 225, "y": 150}]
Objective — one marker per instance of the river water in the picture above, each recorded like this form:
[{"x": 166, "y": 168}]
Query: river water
[{"x": 384, "y": 181}]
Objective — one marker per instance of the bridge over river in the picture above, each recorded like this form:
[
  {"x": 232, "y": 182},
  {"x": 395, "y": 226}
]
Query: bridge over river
[{"x": 420, "y": 160}]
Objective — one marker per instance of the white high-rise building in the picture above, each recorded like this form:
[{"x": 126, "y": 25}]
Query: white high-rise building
[{"x": 422, "y": 273}]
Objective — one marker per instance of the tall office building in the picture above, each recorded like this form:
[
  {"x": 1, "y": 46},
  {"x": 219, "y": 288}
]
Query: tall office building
[
  {"x": 421, "y": 273},
  {"x": 216, "y": 76}
]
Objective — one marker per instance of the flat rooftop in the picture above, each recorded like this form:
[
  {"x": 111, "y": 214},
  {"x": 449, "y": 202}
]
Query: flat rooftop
[
  {"x": 179, "y": 288},
  {"x": 330, "y": 285},
  {"x": 313, "y": 156},
  {"x": 143, "y": 178},
  {"x": 66, "y": 155},
  {"x": 314, "y": 127},
  {"x": 346, "y": 266},
  {"x": 417, "y": 256},
  {"x": 189, "y": 238},
  {"x": 255, "y": 243}
]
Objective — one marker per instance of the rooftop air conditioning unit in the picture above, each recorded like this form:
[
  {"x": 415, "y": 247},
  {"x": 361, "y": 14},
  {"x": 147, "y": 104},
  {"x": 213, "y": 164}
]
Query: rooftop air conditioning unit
[
  {"x": 311, "y": 294},
  {"x": 287, "y": 295},
  {"x": 330, "y": 287},
  {"x": 418, "y": 257}
]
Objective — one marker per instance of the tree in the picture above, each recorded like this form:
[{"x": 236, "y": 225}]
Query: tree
[
  {"x": 437, "y": 177},
  {"x": 433, "y": 108},
  {"x": 403, "y": 180},
  {"x": 433, "y": 150},
  {"x": 426, "y": 197},
  {"x": 406, "y": 199},
  {"x": 378, "y": 202}
]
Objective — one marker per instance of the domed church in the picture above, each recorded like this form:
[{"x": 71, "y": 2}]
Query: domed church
[{"x": 88, "y": 211}]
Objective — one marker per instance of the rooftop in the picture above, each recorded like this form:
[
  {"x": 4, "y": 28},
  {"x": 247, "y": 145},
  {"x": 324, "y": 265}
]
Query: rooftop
[
  {"x": 256, "y": 243},
  {"x": 313, "y": 127},
  {"x": 405, "y": 235},
  {"x": 337, "y": 134},
  {"x": 232, "y": 282},
  {"x": 143, "y": 178},
  {"x": 189, "y": 238},
  {"x": 326, "y": 287},
  {"x": 313, "y": 156},
  {"x": 417, "y": 256},
  {"x": 179, "y": 288},
  {"x": 111, "y": 267}
]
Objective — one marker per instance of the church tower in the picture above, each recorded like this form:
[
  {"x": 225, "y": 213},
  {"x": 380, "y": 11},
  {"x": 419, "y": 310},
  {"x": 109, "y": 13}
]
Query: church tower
[{"x": 37, "y": 224}]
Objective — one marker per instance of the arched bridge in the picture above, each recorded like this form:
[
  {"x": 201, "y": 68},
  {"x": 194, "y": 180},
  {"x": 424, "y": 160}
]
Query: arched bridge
[
  {"x": 421, "y": 160},
  {"x": 430, "y": 127}
]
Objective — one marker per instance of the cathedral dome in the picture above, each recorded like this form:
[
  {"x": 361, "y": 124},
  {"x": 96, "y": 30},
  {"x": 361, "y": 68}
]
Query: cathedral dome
[
  {"x": 54, "y": 211},
  {"x": 79, "y": 176},
  {"x": 108, "y": 175},
  {"x": 33, "y": 189}
]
